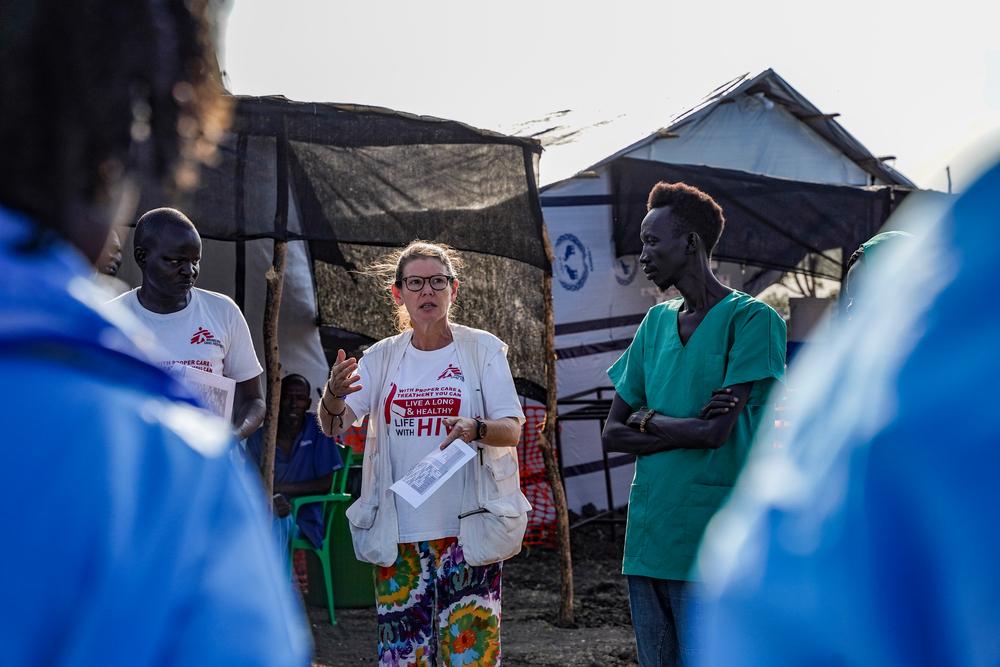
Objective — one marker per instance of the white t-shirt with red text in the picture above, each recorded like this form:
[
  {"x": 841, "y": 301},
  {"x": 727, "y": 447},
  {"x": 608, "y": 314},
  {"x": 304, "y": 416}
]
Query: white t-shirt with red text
[
  {"x": 430, "y": 386},
  {"x": 209, "y": 334}
]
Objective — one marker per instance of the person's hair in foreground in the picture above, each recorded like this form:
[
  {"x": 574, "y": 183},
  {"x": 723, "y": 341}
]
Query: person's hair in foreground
[
  {"x": 389, "y": 269},
  {"x": 163, "y": 555},
  {"x": 696, "y": 211},
  {"x": 91, "y": 90}
]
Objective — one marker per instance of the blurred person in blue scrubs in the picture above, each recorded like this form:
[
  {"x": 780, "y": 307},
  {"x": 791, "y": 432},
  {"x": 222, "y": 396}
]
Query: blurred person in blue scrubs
[
  {"x": 130, "y": 536},
  {"x": 872, "y": 537}
]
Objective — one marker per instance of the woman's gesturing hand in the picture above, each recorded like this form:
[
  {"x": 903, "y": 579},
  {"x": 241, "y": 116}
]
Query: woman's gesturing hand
[{"x": 343, "y": 379}]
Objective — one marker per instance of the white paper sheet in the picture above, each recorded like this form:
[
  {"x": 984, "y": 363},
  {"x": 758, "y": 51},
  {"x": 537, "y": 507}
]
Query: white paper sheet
[
  {"x": 431, "y": 472},
  {"x": 216, "y": 391}
]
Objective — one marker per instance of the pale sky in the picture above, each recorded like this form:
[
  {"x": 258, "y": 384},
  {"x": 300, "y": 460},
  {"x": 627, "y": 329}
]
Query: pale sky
[{"x": 920, "y": 81}]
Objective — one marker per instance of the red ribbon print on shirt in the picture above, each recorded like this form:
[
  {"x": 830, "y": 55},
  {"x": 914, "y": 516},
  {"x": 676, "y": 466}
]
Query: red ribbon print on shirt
[{"x": 388, "y": 403}]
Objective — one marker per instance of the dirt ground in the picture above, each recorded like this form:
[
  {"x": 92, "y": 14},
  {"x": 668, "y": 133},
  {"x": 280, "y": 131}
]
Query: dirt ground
[{"x": 602, "y": 635}]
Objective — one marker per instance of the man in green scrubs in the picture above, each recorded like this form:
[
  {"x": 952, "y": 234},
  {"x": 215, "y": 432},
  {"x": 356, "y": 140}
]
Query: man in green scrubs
[{"x": 690, "y": 393}]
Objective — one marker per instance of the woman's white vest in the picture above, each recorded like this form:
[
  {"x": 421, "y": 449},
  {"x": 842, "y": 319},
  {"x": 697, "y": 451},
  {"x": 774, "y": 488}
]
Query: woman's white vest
[{"x": 493, "y": 511}]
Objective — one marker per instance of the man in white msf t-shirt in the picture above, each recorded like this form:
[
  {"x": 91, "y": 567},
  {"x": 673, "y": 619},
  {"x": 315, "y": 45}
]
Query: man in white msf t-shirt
[{"x": 193, "y": 327}]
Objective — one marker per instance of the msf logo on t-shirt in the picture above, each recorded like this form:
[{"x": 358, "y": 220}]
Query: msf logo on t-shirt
[
  {"x": 452, "y": 372},
  {"x": 204, "y": 336}
]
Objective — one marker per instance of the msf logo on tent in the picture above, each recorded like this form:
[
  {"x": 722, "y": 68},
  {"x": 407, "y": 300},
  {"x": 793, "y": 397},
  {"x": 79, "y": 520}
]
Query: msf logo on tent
[
  {"x": 204, "y": 336},
  {"x": 625, "y": 269},
  {"x": 573, "y": 262}
]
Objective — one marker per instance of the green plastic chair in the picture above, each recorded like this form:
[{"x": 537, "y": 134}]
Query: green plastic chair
[{"x": 330, "y": 501}]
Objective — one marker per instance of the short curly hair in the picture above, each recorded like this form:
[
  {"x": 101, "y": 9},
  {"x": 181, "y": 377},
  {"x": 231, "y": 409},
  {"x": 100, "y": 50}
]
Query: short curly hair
[
  {"x": 694, "y": 211},
  {"x": 91, "y": 87}
]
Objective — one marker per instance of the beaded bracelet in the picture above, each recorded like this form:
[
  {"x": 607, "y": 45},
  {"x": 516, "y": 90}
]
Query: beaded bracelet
[
  {"x": 338, "y": 415},
  {"x": 645, "y": 420}
]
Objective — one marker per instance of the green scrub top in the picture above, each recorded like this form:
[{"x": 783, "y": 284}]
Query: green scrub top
[{"x": 676, "y": 492}]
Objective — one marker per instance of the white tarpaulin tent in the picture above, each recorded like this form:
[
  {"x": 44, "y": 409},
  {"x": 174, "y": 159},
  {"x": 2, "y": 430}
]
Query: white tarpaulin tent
[{"x": 754, "y": 125}]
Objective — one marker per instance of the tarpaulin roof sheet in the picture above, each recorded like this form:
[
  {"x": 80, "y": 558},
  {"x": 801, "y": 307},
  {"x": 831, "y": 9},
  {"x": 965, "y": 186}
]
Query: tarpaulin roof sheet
[{"x": 591, "y": 140}]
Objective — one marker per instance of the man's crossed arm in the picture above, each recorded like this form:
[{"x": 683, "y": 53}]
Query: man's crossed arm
[{"x": 707, "y": 431}]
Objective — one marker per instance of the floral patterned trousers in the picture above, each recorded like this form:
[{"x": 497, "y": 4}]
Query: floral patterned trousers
[{"x": 436, "y": 609}]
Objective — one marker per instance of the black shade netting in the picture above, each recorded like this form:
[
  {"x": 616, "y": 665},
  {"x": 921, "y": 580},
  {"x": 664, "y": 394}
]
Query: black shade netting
[
  {"x": 368, "y": 176},
  {"x": 770, "y": 222},
  {"x": 502, "y": 296}
]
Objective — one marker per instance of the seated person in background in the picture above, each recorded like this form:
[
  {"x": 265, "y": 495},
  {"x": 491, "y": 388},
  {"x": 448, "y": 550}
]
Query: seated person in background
[{"x": 304, "y": 461}]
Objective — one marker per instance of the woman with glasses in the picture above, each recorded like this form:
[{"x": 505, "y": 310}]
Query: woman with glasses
[{"x": 438, "y": 584}]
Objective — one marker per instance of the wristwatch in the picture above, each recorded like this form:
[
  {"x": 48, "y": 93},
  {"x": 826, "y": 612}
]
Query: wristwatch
[{"x": 480, "y": 428}]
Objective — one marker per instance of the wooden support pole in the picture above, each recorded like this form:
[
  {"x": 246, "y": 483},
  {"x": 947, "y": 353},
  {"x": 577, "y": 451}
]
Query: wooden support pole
[
  {"x": 547, "y": 443},
  {"x": 275, "y": 279}
]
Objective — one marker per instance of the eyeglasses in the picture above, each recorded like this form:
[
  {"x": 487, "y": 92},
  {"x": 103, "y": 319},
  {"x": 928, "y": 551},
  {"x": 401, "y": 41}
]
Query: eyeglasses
[{"x": 416, "y": 283}]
